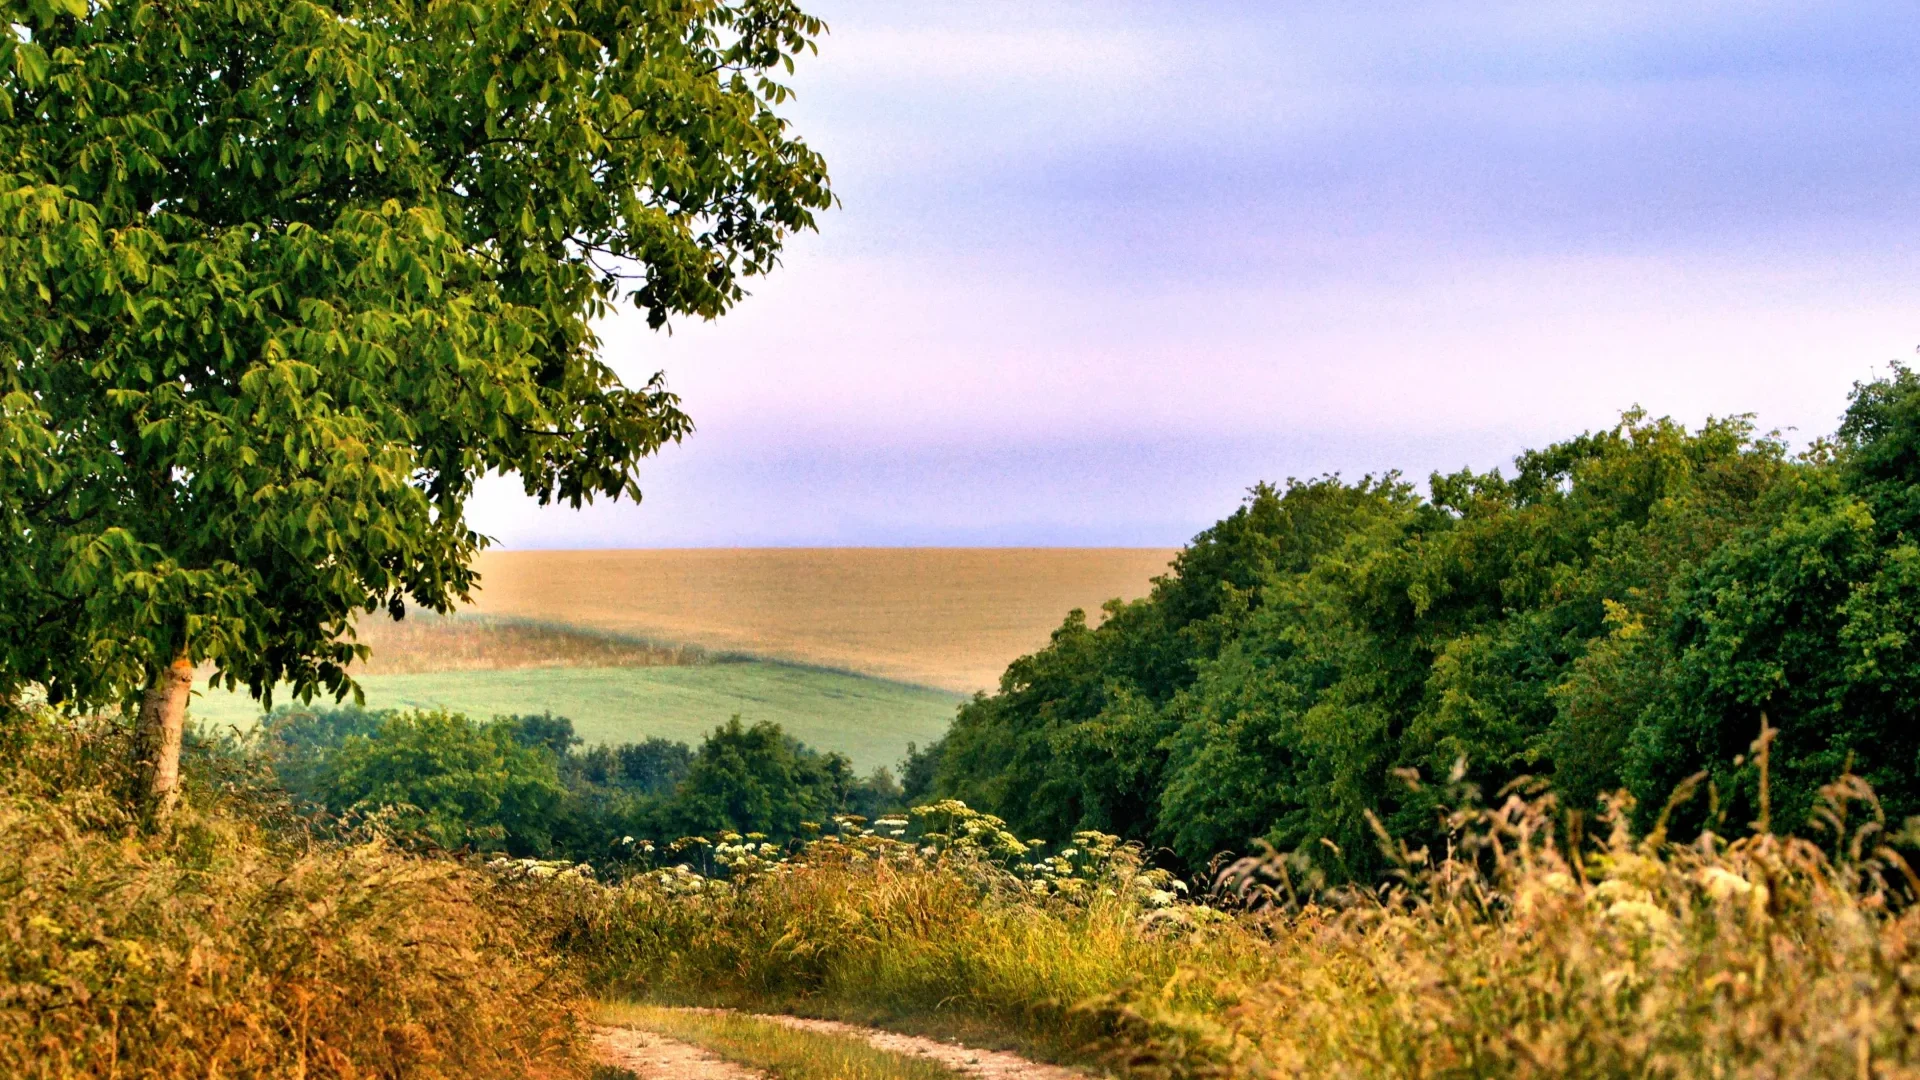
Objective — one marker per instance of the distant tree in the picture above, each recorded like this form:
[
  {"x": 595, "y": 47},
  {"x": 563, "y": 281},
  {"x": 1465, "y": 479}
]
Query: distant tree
[
  {"x": 279, "y": 279},
  {"x": 876, "y": 794},
  {"x": 296, "y": 741},
  {"x": 758, "y": 779},
  {"x": 459, "y": 782},
  {"x": 655, "y": 766},
  {"x": 544, "y": 731},
  {"x": 919, "y": 769}
]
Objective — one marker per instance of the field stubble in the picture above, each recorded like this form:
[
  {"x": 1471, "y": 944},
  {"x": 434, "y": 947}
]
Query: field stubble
[{"x": 951, "y": 618}]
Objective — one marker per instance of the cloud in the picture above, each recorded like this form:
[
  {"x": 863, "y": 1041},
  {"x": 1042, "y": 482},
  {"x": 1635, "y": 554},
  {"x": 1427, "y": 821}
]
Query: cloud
[{"x": 1079, "y": 237}]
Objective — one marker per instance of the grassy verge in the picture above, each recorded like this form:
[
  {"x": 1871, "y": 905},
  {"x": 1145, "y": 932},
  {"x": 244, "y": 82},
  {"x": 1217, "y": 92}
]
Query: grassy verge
[
  {"x": 910, "y": 947},
  {"x": 1762, "y": 956},
  {"x": 775, "y": 1048}
]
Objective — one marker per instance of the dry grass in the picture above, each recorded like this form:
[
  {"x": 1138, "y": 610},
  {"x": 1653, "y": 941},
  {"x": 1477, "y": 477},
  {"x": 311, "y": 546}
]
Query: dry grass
[
  {"x": 951, "y": 618},
  {"x": 424, "y": 642},
  {"x": 224, "y": 949},
  {"x": 1765, "y": 956}
]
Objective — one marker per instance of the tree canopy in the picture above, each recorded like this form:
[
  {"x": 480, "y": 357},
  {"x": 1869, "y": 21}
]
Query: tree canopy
[
  {"x": 1618, "y": 613},
  {"x": 280, "y": 280}
]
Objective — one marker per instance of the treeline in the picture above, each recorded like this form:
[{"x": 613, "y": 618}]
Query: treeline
[
  {"x": 523, "y": 784},
  {"x": 1619, "y": 613}
]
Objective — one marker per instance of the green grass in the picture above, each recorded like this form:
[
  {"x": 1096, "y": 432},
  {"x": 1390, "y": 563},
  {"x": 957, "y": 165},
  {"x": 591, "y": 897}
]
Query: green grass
[
  {"x": 785, "y": 1052},
  {"x": 869, "y": 720}
]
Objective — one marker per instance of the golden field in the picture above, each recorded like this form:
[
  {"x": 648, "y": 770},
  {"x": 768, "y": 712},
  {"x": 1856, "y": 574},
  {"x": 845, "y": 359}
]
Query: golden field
[
  {"x": 425, "y": 643},
  {"x": 951, "y": 618}
]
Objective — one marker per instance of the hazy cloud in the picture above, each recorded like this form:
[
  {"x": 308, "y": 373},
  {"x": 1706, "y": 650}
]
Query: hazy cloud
[{"x": 1102, "y": 265}]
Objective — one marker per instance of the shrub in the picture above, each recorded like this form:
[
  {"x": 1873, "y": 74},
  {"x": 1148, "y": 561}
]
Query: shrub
[
  {"x": 458, "y": 782},
  {"x": 522, "y": 785}
]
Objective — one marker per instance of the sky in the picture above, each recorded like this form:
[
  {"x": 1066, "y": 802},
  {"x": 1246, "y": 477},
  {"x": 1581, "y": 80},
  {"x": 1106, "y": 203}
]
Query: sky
[{"x": 1100, "y": 267}]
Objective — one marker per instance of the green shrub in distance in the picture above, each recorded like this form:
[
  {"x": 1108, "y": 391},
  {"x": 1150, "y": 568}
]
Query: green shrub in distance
[{"x": 459, "y": 782}]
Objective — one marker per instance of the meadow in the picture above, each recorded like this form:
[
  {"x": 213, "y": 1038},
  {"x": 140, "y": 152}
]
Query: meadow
[
  {"x": 859, "y": 650},
  {"x": 869, "y": 720},
  {"x": 951, "y": 618}
]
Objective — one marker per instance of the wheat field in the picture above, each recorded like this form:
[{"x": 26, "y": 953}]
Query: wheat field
[
  {"x": 951, "y": 618},
  {"x": 425, "y": 643}
]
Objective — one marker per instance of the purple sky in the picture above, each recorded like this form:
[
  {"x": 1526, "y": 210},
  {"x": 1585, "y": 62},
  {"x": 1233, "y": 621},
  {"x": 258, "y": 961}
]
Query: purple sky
[{"x": 1101, "y": 266}]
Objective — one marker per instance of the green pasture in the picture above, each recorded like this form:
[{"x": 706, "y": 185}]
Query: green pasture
[{"x": 869, "y": 720}]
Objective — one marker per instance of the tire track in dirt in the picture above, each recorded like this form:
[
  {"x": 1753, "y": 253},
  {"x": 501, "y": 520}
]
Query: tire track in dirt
[
  {"x": 657, "y": 1057},
  {"x": 980, "y": 1064}
]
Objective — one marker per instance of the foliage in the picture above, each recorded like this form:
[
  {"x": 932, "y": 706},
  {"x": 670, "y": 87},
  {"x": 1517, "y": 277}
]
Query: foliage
[
  {"x": 1504, "y": 953},
  {"x": 652, "y": 767},
  {"x": 226, "y": 948},
  {"x": 282, "y": 280},
  {"x": 1619, "y": 612},
  {"x": 457, "y": 782},
  {"x": 522, "y": 785},
  {"x": 756, "y": 779}
]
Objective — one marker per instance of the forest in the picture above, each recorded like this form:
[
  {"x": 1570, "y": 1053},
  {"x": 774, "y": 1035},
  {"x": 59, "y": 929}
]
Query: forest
[{"x": 1619, "y": 612}]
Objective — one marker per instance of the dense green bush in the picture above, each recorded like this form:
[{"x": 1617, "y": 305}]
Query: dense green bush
[
  {"x": 455, "y": 781},
  {"x": 1618, "y": 612}
]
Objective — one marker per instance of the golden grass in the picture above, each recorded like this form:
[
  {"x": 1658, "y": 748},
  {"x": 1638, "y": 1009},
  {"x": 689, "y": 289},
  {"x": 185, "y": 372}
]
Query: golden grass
[
  {"x": 221, "y": 948},
  {"x": 1765, "y": 956},
  {"x": 951, "y": 618},
  {"x": 775, "y": 1048}
]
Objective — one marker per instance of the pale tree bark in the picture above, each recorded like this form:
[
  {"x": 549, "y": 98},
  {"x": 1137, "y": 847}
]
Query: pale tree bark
[{"x": 162, "y": 723}]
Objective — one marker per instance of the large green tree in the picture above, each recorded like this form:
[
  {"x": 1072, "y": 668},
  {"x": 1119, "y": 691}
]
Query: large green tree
[{"x": 280, "y": 279}]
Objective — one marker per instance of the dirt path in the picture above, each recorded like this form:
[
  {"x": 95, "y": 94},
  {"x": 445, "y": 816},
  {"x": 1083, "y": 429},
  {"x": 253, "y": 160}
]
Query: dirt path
[
  {"x": 979, "y": 1063},
  {"x": 656, "y": 1057}
]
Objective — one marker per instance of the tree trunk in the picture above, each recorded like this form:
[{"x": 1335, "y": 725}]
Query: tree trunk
[{"x": 163, "y": 718}]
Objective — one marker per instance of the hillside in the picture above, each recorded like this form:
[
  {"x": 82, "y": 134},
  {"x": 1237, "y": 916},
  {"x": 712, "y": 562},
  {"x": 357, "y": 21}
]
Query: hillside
[
  {"x": 951, "y": 618},
  {"x": 856, "y": 650},
  {"x": 869, "y": 720}
]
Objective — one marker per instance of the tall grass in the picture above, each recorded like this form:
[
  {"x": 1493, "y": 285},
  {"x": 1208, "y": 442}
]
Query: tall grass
[
  {"x": 907, "y": 945},
  {"x": 227, "y": 947},
  {"x": 1511, "y": 953}
]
